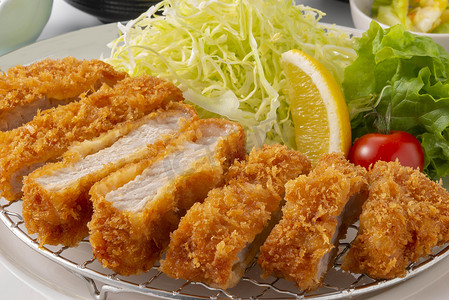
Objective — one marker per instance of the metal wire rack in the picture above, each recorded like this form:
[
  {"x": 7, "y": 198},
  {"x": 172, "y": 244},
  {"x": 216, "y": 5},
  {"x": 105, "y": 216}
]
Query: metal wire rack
[{"x": 101, "y": 281}]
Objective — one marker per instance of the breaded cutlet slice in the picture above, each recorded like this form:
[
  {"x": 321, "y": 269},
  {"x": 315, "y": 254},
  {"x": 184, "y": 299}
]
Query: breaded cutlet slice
[
  {"x": 301, "y": 247},
  {"x": 270, "y": 165},
  {"x": 404, "y": 217},
  {"x": 136, "y": 207},
  {"x": 56, "y": 204},
  {"x": 48, "y": 83},
  {"x": 217, "y": 239},
  {"x": 51, "y": 132}
]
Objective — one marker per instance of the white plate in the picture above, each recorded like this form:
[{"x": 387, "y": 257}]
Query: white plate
[
  {"x": 83, "y": 44},
  {"x": 55, "y": 282},
  {"x": 44, "y": 276}
]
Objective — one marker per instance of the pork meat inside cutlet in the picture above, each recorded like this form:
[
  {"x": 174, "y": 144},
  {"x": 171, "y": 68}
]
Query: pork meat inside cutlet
[
  {"x": 137, "y": 207},
  {"x": 51, "y": 132},
  {"x": 56, "y": 204},
  {"x": 302, "y": 245},
  {"x": 48, "y": 83},
  {"x": 217, "y": 239},
  {"x": 405, "y": 216}
]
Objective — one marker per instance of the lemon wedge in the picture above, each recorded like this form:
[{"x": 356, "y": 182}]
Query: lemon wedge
[{"x": 318, "y": 107}]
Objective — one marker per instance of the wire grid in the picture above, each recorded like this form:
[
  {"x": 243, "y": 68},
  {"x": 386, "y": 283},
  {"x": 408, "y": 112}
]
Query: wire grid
[{"x": 100, "y": 281}]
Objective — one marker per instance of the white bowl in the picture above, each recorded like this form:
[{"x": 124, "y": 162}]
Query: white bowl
[{"x": 362, "y": 17}]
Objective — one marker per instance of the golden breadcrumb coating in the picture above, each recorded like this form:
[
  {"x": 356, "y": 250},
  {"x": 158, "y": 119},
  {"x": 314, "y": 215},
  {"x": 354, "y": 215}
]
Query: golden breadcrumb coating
[
  {"x": 49, "y": 82},
  {"x": 297, "y": 245},
  {"x": 129, "y": 241},
  {"x": 59, "y": 215},
  {"x": 404, "y": 217},
  {"x": 217, "y": 239},
  {"x": 51, "y": 132},
  {"x": 207, "y": 243},
  {"x": 270, "y": 165}
]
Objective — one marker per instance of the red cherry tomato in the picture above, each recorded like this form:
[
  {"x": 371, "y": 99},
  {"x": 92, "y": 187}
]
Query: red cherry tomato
[{"x": 399, "y": 145}]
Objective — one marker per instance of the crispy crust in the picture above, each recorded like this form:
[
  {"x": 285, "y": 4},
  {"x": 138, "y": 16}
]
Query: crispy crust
[
  {"x": 51, "y": 132},
  {"x": 206, "y": 245},
  {"x": 405, "y": 216},
  {"x": 297, "y": 244},
  {"x": 61, "y": 216},
  {"x": 60, "y": 80},
  {"x": 271, "y": 166},
  {"x": 130, "y": 243}
]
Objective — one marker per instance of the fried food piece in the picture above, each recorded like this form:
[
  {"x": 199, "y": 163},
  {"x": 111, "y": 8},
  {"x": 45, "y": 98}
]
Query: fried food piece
[
  {"x": 51, "y": 132},
  {"x": 217, "y": 239},
  {"x": 405, "y": 216},
  {"x": 49, "y": 83},
  {"x": 302, "y": 245},
  {"x": 271, "y": 165},
  {"x": 137, "y": 207},
  {"x": 56, "y": 204}
]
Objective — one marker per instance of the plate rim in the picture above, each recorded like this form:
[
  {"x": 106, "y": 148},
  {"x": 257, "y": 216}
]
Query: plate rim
[{"x": 88, "y": 37}]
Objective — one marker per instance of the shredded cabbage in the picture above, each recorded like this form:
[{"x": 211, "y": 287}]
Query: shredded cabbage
[{"x": 225, "y": 56}]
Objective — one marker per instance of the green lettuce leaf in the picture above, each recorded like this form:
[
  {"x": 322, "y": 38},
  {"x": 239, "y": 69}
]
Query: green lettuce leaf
[{"x": 409, "y": 74}]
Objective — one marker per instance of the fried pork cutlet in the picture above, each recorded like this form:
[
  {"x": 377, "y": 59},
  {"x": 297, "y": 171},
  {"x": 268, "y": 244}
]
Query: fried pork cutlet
[
  {"x": 51, "y": 132},
  {"x": 49, "y": 83},
  {"x": 137, "y": 207},
  {"x": 302, "y": 245},
  {"x": 56, "y": 204},
  {"x": 271, "y": 165},
  {"x": 404, "y": 217},
  {"x": 217, "y": 239}
]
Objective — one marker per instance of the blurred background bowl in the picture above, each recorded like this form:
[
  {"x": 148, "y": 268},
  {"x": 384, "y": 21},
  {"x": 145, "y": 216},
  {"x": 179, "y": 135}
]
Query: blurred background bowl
[
  {"x": 108, "y": 11},
  {"x": 21, "y": 22},
  {"x": 362, "y": 17}
]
